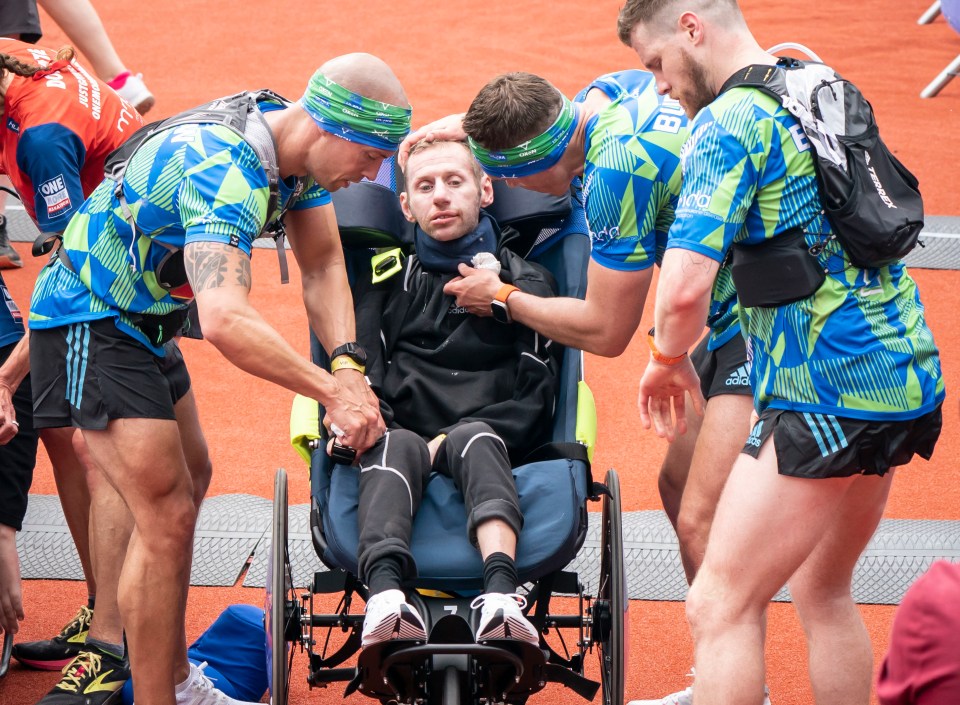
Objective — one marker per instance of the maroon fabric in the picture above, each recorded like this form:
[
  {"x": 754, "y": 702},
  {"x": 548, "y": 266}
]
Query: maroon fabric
[{"x": 922, "y": 666}]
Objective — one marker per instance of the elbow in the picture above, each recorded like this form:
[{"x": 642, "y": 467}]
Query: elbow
[
  {"x": 217, "y": 324},
  {"x": 611, "y": 344}
]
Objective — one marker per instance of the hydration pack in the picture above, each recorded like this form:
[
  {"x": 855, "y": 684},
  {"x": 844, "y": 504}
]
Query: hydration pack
[{"x": 871, "y": 200}]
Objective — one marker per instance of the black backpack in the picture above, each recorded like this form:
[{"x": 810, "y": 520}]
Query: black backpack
[{"x": 871, "y": 199}]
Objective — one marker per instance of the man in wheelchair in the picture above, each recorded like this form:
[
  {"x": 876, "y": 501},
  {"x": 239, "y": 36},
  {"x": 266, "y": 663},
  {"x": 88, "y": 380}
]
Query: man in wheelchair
[{"x": 464, "y": 396}]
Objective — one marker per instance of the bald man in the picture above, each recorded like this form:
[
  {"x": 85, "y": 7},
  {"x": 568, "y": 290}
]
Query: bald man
[{"x": 178, "y": 227}]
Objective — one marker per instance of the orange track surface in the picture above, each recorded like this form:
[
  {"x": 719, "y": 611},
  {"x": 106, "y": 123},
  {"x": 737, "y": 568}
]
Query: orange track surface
[{"x": 443, "y": 52}]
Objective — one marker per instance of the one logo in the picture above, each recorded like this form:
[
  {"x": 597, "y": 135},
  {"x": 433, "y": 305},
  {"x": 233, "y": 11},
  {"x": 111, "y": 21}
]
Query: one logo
[
  {"x": 55, "y": 194},
  {"x": 754, "y": 439},
  {"x": 740, "y": 377},
  {"x": 13, "y": 125}
]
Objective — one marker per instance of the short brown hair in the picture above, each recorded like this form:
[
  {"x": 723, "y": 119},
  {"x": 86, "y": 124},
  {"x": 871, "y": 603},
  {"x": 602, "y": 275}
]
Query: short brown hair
[
  {"x": 512, "y": 109},
  {"x": 648, "y": 12},
  {"x": 424, "y": 145},
  {"x": 636, "y": 12}
]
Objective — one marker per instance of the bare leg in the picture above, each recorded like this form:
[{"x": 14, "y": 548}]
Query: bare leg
[
  {"x": 676, "y": 467},
  {"x": 496, "y": 536},
  {"x": 725, "y": 427},
  {"x": 840, "y": 655},
  {"x": 144, "y": 460},
  {"x": 73, "y": 487},
  {"x": 81, "y": 23},
  {"x": 765, "y": 527}
]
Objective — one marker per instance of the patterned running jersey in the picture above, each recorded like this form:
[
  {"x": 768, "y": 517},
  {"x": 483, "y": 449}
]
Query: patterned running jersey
[
  {"x": 192, "y": 183},
  {"x": 57, "y": 130},
  {"x": 631, "y": 178},
  {"x": 859, "y": 347}
]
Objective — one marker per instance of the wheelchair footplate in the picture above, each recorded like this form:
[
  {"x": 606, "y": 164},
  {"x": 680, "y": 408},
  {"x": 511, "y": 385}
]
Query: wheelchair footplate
[{"x": 451, "y": 667}]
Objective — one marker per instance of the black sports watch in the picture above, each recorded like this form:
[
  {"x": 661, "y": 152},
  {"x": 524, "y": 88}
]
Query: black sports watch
[{"x": 351, "y": 350}]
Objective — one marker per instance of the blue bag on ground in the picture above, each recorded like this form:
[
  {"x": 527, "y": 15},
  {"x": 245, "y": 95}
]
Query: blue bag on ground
[{"x": 235, "y": 652}]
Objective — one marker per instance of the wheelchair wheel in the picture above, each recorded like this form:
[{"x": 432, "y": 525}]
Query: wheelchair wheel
[
  {"x": 278, "y": 588},
  {"x": 611, "y": 604}
]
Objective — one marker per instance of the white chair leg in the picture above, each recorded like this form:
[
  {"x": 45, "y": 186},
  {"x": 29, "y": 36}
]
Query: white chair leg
[
  {"x": 931, "y": 14},
  {"x": 943, "y": 79}
]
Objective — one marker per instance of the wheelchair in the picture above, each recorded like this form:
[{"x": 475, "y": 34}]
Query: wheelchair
[{"x": 451, "y": 667}]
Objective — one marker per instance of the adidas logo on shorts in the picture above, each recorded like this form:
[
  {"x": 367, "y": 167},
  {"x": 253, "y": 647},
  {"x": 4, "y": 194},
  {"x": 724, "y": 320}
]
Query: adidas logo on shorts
[
  {"x": 740, "y": 377},
  {"x": 754, "y": 439}
]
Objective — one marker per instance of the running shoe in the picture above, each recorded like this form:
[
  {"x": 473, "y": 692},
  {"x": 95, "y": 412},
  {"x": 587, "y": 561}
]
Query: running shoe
[
  {"x": 133, "y": 90},
  {"x": 388, "y": 616},
  {"x": 501, "y": 617},
  {"x": 94, "y": 677},
  {"x": 9, "y": 257},
  {"x": 53, "y": 654},
  {"x": 201, "y": 691},
  {"x": 684, "y": 697}
]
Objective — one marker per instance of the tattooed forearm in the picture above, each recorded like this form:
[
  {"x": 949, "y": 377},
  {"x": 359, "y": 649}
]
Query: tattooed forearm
[{"x": 209, "y": 265}]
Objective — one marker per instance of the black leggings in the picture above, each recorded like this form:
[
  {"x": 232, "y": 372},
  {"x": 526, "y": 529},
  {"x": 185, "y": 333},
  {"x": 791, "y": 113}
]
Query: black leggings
[{"x": 394, "y": 473}]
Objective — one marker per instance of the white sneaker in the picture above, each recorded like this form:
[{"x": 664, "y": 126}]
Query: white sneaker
[
  {"x": 684, "y": 697},
  {"x": 501, "y": 617},
  {"x": 201, "y": 691},
  {"x": 390, "y": 617},
  {"x": 135, "y": 92}
]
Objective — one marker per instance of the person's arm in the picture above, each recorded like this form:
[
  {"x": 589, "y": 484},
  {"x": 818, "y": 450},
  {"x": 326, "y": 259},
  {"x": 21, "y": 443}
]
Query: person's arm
[
  {"x": 51, "y": 155},
  {"x": 603, "y": 322},
  {"x": 220, "y": 277},
  {"x": 14, "y": 369},
  {"x": 719, "y": 185},
  {"x": 683, "y": 298},
  {"x": 315, "y": 242},
  {"x": 448, "y": 128}
]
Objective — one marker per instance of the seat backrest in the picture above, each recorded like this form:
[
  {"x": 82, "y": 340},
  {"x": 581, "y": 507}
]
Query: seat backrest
[
  {"x": 951, "y": 12},
  {"x": 369, "y": 216}
]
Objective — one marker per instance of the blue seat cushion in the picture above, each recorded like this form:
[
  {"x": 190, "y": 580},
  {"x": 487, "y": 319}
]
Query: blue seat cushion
[{"x": 552, "y": 498}]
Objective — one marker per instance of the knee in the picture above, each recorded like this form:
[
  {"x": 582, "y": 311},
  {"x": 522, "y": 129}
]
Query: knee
[
  {"x": 472, "y": 429},
  {"x": 693, "y": 523},
  {"x": 713, "y": 605}
]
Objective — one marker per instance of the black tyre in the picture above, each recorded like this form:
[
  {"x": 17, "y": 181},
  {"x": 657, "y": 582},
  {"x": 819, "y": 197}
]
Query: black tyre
[
  {"x": 278, "y": 589},
  {"x": 611, "y": 605}
]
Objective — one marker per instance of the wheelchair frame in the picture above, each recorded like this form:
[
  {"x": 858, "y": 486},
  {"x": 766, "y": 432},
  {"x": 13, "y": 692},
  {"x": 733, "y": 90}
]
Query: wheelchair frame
[{"x": 450, "y": 668}]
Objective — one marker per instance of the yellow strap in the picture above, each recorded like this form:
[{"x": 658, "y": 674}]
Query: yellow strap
[
  {"x": 342, "y": 362},
  {"x": 304, "y": 426},
  {"x": 385, "y": 264}
]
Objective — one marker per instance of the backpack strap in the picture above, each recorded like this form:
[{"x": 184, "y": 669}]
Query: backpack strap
[{"x": 769, "y": 79}]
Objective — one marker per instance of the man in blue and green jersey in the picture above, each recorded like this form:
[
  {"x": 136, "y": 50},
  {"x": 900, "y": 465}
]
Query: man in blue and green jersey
[
  {"x": 179, "y": 227},
  {"x": 622, "y": 141},
  {"x": 846, "y": 376}
]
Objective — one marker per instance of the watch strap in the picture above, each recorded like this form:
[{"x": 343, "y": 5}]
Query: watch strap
[
  {"x": 659, "y": 356},
  {"x": 343, "y": 362}
]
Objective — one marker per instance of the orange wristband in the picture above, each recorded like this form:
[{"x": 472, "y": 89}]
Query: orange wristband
[{"x": 659, "y": 356}]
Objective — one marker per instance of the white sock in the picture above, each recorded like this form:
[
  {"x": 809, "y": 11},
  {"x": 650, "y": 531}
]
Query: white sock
[{"x": 186, "y": 684}]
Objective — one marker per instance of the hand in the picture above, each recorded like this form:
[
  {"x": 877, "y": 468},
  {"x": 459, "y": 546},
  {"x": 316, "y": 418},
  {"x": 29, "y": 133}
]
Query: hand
[
  {"x": 434, "y": 445},
  {"x": 8, "y": 416},
  {"x": 662, "y": 384},
  {"x": 474, "y": 289},
  {"x": 448, "y": 128},
  {"x": 357, "y": 383},
  {"x": 11, "y": 604},
  {"x": 359, "y": 423}
]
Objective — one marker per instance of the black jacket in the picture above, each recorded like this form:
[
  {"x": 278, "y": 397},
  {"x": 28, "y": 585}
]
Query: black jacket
[{"x": 434, "y": 365}]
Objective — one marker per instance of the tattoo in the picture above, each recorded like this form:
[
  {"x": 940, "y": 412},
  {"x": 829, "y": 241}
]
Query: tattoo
[
  {"x": 242, "y": 270},
  {"x": 694, "y": 260},
  {"x": 208, "y": 265}
]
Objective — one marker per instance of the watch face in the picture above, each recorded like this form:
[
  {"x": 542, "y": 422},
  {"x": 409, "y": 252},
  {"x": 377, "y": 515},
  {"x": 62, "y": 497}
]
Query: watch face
[
  {"x": 351, "y": 350},
  {"x": 500, "y": 312}
]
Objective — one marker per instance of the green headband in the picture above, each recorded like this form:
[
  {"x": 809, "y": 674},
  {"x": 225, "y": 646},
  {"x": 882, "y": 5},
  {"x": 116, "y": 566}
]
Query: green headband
[
  {"x": 533, "y": 156},
  {"x": 349, "y": 115}
]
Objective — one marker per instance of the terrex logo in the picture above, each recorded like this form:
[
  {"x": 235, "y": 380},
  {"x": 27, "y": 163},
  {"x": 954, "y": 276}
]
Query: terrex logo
[{"x": 876, "y": 183}]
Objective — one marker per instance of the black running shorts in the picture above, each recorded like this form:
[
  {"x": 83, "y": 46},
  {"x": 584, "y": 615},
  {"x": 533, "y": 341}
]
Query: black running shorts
[
  {"x": 724, "y": 370},
  {"x": 19, "y": 17},
  {"x": 86, "y": 374},
  {"x": 822, "y": 445}
]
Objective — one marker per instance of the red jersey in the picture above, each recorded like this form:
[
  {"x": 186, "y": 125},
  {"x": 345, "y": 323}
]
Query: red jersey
[{"x": 58, "y": 128}]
